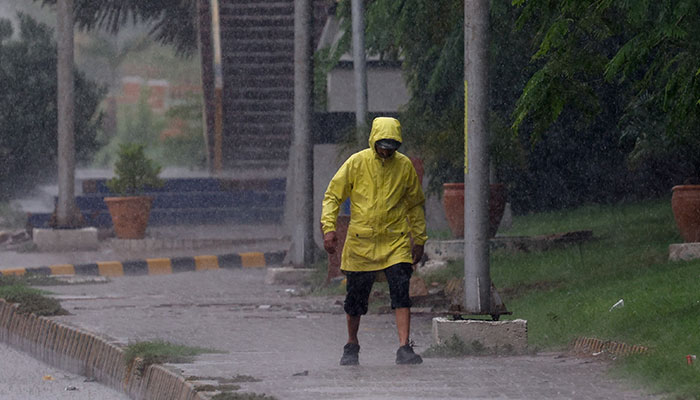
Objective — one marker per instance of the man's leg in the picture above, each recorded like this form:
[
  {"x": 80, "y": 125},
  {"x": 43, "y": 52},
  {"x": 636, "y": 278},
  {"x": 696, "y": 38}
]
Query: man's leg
[
  {"x": 353, "y": 327},
  {"x": 399, "y": 276},
  {"x": 359, "y": 286},
  {"x": 403, "y": 324}
]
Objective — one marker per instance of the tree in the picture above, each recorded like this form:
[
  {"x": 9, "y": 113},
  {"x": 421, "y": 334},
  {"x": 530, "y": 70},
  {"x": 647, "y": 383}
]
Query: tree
[
  {"x": 646, "y": 51},
  {"x": 113, "y": 52},
  {"x": 427, "y": 36},
  {"x": 173, "y": 22},
  {"x": 28, "y": 105}
]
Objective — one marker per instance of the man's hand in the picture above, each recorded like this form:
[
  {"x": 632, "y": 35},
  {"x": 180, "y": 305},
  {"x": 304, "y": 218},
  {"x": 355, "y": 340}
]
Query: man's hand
[
  {"x": 417, "y": 252},
  {"x": 329, "y": 242}
]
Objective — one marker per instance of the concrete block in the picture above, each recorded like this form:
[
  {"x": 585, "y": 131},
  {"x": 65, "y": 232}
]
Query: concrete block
[
  {"x": 288, "y": 276},
  {"x": 65, "y": 239},
  {"x": 684, "y": 251},
  {"x": 444, "y": 249},
  {"x": 498, "y": 336}
]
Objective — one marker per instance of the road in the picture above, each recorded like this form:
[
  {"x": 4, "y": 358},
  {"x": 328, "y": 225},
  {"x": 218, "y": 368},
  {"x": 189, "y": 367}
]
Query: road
[{"x": 25, "y": 378}]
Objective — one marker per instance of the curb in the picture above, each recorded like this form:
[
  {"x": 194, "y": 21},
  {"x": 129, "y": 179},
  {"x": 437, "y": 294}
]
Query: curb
[
  {"x": 156, "y": 266},
  {"x": 87, "y": 354}
]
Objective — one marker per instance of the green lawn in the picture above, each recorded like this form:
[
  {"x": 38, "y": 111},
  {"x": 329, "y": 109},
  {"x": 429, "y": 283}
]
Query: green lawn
[{"x": 568, "y": 292}]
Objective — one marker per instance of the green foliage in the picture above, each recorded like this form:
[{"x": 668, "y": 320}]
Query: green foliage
[
  {"x": 172, "y": 23},
  {"x": 454, "y": 347},
  {"x": 134, "y": 171},
  {"x": 28, "y": 115},
  {"x": 11, "y": 217},
  {"x": 30, "y": 300},
  {"x": 567, "y": 293},
  {"x": 428, "y": 38},
  {"x": 187, "y": 148},
  {"x": 138, "y": 123},
  {"x": 160, "y": 351},
  {"x": 645, "y": 50},
  {"x": 242, "y": 396}
]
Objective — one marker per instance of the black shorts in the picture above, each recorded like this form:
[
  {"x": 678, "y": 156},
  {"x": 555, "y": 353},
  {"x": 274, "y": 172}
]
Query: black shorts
[{"x": 359, "y": 287}]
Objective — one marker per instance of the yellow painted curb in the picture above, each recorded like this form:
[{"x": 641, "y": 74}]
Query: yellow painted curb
[
  {"x": 110, "y": 268},
  {"x": 159, "y": 266},
  {"x": 253, "y": 260},
  {"x": 206, "y": 262}
]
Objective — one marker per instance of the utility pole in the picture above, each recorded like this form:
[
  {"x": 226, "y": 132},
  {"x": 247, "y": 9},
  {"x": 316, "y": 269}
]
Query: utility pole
[
  {"x": 300, "y": 185},
  {"x": 477, "y": 278},
  {"x": 204, "y": 22},
  {"x": 218, "y": 88},
  {"x": 67, "y": 214},
  {"x": 360, "y": 68}
]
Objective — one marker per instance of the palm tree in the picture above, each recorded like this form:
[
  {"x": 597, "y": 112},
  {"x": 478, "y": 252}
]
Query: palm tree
[
  {"x": 173, "y": 22},
  {"x": 113, "y": 51}
]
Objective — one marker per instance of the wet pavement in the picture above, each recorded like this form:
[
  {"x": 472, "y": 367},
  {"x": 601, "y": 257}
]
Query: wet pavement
[
  {"x": 291, "y": 342},
  {"x": 32, "y": 379}
]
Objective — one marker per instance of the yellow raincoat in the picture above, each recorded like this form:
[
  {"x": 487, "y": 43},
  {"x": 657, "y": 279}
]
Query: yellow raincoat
[{"x": 386, "y": 204}]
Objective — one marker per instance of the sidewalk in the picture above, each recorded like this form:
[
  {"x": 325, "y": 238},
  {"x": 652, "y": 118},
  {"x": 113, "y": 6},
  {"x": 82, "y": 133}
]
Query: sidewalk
[
  {"x": 291, "y": 343},
  {"x": 167, "y": 241}
]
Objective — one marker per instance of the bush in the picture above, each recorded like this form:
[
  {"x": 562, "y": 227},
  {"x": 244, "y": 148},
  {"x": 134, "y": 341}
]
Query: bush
[
  {"x": 134, "y": 171},
  {"x": 28, "y": 120}
]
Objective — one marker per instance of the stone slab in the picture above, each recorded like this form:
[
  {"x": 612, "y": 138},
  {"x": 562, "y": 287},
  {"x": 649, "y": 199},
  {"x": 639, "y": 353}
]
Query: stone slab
[
  {"x": 497, "y": 336},
  {"x": 684, "y": 251},
  {"x": 287, "y": 275},
  {"x": 444, "y": 249},
  {"x": 65, "y": 239},
  {"x": 454, "y": 249}
]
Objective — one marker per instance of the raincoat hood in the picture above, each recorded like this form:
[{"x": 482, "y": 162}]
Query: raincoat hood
[
  {"x": 386, "y": 205},
  {"x": 384, "y": 128}
]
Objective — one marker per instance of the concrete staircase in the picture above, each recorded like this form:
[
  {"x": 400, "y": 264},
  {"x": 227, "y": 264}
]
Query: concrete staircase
[{"x": 257, "y": 41}]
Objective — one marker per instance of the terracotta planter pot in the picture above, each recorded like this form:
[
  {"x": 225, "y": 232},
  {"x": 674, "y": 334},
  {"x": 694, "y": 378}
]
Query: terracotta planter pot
[
  {"x": 129, "y": 215},
  {"x": 418, "y": 165},
  {"x": 453, "y": 203},
  {"x": 685, "y": 203}
]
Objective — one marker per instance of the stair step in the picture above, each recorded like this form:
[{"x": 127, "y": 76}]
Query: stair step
[
  {"x": 192, "y": 200},
  {"x": 185, "y": 185},
  {"x": 163, "y": 217}
]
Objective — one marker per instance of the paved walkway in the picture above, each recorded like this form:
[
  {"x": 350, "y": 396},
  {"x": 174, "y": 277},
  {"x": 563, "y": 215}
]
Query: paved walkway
[{"x": 291, "y": 343}]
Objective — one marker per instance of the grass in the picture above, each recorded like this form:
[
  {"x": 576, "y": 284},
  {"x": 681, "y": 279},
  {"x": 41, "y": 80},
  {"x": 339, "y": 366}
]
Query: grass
[
  {"x": 30, "y": 300},
  {"x": 454, "y": 347},
  {"x": 160, "y": 351},
  {"x": 242, "y": 396},
  {"x": 566, "y": 293}
]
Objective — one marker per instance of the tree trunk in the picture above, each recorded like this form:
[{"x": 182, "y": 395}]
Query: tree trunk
[{"x": 67, "y": 214}]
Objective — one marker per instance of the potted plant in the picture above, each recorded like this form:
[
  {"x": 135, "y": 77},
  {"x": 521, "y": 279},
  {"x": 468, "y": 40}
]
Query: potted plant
[
  {"x": 134, "y": 173},
  {"x": 685, "y": 204}
]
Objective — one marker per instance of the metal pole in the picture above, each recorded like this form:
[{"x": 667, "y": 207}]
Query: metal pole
[
  {"x": 359, "y": 67},
  {"x": 218, "y": 87},
  {"x": 65, "y": 206},
  {"x": 206, "y": 56},
  {"x": 477, "y": 278},
  {"x": 300, "y": 159}
]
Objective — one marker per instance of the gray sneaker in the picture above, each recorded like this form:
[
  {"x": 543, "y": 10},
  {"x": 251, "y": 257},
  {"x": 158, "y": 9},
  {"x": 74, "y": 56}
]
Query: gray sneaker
[
  {"x": 405, "y": 355},
  {"x": 351, "y": 353}
]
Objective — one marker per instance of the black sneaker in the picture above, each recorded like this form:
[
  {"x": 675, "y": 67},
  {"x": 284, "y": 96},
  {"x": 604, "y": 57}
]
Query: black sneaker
[
  {"x": 351, "y": 353},
  {"x": 405, "y": 355}
]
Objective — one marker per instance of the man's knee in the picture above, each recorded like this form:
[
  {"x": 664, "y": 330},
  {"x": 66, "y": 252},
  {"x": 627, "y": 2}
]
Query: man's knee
[{"x": 399, "y": 278}]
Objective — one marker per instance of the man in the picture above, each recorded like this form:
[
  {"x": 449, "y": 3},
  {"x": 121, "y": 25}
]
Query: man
[{"x": 386, "y": 213}]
